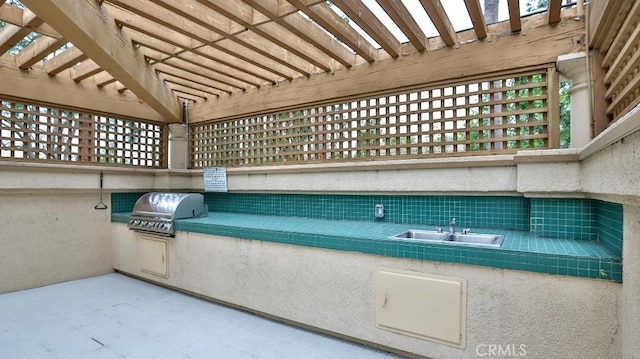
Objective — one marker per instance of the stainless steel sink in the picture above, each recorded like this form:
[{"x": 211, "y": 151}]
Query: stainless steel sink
[
  {"x": 477, "y": 239},
  {"x": 421, "y": 235},
  {"x": 491, "y": 240}
]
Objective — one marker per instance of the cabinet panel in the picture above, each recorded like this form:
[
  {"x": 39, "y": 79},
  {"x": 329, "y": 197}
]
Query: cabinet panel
[
  {"x": 422, "y": 305},
  {"x": 152, "y": 252}
]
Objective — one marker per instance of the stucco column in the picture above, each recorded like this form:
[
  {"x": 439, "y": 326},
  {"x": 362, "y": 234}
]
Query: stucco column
[
  {"x": 574, "y": 68},
  {"x": 178, "y": 146},
  {"x": 630, "y": 307}
]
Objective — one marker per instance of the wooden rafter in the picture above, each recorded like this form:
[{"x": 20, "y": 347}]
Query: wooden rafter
[
  {"x": 200, "y": 29},
  {"x": 190, "y": 84},
  {"x": 303, "y": 28},
  {"x": 187, "y": 96},
  {"x": 471, "y": 59},
  {"x": 329, "y": 20},
  {"x": 243, "y": 14},
  {"x": 553, "y": 11},
  {"x": 440, "y": 20},
  {"x": 514, "y": 15},
  {"x": 192, "y": 57},
  {"x": 194, "y": 78},
  {"x": 403, "y": 18},
  {"x": 37, "y": 50},
  {"x": 159, "y": 57},
  {"x": 39, "y": 87},
  {"x": 11, "y": 14},
  {"x": 188, "y": 90},
  {"x": 192, "y": 72},
  {"x": 163, "y": 49},
  {"x": 95, "y": 33},
  {"x": 103, "y": 79},
  {"x": 176, "y": 45},
  {"x": 361, "y": 15},
  {"x": 63, "y": 61},
  {"x": 84, "y": 70},
  {"x": 10, "y": 35},
  {"x": 477, "y": 18}
]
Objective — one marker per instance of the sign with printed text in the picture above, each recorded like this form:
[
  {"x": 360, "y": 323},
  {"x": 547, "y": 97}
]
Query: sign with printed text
[{"x": 215, "y": 179}]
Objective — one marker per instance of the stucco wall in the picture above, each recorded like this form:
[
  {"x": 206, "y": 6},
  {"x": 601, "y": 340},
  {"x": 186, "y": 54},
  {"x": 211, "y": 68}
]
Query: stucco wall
[
  {"x": 630, "y": 305},
  {"x": 553, "y": 316},
  {"x": 51, "y": 236},
  {"x": 613, "y": 171}
]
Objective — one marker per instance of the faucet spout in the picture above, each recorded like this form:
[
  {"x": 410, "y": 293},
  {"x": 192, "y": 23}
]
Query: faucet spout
[{"x": 452, "y": 226}]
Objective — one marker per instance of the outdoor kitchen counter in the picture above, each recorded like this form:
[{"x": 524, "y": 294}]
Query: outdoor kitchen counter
[{"x": 520, "y": 250}]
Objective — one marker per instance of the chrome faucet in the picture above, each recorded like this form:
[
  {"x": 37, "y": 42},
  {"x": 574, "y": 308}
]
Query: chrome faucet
[{"x": 452, "y": 226}]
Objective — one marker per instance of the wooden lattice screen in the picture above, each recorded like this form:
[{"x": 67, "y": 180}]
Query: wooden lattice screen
[
  {"x": 485, "y": 116},
  {"x": 31, "y": 132},
  {"x": 622, "y": 63}
]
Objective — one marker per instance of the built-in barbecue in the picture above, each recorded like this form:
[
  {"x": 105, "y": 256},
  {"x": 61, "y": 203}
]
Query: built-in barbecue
[{"x": 155, "y": 212}]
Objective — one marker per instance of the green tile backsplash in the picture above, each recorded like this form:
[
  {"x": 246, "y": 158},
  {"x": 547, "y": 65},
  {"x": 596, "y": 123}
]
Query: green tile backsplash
[
  {"x": 564, "y": 218},
  {"x": 470, "y": 211},
  {"x": 124, "y": 201},
  {"x": 610, "y": 225}
]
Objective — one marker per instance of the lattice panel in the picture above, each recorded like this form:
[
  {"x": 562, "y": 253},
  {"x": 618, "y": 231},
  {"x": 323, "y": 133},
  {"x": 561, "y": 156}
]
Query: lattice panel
[
  {"x": 488, "y": 116},
  {"x": 622, "y": 61},
  {"x": 32, "y": 132}
]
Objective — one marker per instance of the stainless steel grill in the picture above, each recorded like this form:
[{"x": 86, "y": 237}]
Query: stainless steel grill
[{"x": 155, "y": 212}]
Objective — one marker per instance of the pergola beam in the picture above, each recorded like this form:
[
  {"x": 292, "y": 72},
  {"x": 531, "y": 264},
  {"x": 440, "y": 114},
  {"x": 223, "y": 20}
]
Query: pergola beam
[
  {"x": 188, "y": 90},
  {"x": 201, "y": 29},
  {"x": 202, "y": 55},
  {"x": 11, "y": 14},
  {"x": 370, "y": 23},
  {"x": 38, "y": 50},
  {"x": 84, "y": 70},
  {"x": 190, "y": 84},
  {"x": 187, "y": 96},
  {"x": 103, "y": 79},
  {"x": 194, "y": 58},
  {"x": 156, "y": 57},
  {"x": 477, "y": 18},
  {"x": 10, "y": 35},
  {"x": 164, "y": 69},
  {"x": 553, "y": 11},
  {"x": 192, "y": 73},
  {"x": 244, "y": 15},
  {"x": 330, "y": 21},
  {"x": 94, "y": 32},
  {"x": 474, "y": 59},
  {"x": 440, "y": 20},
  {"x": 403, "y": 18},
  {"x": 514, "y": 15},
  {"x": 35, "y": 85},
  {"x": 63, "y": 61},
  {"x": 304, "y": 29}
]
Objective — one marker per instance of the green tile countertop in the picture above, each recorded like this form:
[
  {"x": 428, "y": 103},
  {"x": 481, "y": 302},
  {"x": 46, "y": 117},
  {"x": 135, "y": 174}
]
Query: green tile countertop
[{"x": 520, "y": 250}]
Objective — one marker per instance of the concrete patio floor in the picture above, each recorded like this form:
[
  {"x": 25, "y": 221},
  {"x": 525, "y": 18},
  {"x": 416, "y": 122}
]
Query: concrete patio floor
[{"x": 115, "y": 316}]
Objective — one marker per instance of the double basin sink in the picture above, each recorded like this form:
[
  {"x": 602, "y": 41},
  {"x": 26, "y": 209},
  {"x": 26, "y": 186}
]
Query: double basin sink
[{"x": 489, "y": 240}]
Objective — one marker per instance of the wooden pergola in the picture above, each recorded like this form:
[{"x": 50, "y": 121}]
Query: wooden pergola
[
  {"x": 167, "y": 51},
  {"x": 264, "y": 70}
]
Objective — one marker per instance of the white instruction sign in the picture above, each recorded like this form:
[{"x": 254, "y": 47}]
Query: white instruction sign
[{"x": 215, "y": 179}]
